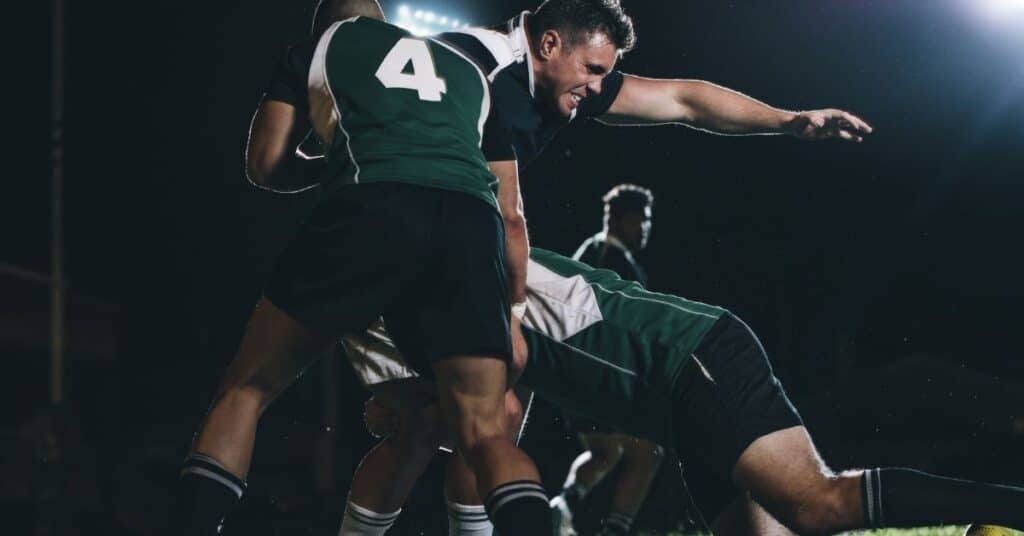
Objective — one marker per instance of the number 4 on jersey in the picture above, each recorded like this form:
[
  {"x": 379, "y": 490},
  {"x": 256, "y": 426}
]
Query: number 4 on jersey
[{"x": 423, "y": 77}]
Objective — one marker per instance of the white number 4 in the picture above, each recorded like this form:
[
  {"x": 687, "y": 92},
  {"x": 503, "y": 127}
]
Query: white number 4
[{"x": 423, "y": 78}]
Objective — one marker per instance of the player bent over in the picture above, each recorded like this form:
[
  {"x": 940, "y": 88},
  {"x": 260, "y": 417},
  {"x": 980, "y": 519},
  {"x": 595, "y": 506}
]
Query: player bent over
[
  {"x": 409, "y": 229},
  {"x": 695, "y": 378}
]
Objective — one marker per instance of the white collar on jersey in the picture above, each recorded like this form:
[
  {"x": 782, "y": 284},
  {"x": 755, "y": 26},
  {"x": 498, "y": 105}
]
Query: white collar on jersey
[
  {"x": 521, "y": 44},
  {"x": 513, "y": 47}
]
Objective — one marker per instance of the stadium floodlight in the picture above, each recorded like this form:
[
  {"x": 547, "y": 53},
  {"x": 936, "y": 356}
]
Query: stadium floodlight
[
  {"x": 1000, "y": 13},
  {"x": 1002, "y": 8},
  {"x": 420, "y": 22}
]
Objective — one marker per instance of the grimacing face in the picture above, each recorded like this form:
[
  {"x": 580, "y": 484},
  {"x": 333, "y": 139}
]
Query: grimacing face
[{"x": 566, "y": 75}]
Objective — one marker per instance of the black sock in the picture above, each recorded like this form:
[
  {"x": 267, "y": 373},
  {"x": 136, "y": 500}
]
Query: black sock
[
  {"x": 907, "y": 498},
  {"x": 519, "y": 509},
  {"x": 207, "y": 493}
]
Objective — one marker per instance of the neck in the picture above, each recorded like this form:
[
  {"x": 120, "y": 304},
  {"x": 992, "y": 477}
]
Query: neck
[{"x": 612, "y": 236}]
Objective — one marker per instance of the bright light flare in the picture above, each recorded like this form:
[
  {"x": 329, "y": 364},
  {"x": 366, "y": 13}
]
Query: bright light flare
[
  {"x": 1000, "y": 12},
  {"x": 421, "y": 22}
]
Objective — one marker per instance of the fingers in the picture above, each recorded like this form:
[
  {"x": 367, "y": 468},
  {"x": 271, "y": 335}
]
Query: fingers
[
  {"x": 832, "y": 123},
  {"x": 850, "y": 136},
  {"x": 858, "y": 124}
]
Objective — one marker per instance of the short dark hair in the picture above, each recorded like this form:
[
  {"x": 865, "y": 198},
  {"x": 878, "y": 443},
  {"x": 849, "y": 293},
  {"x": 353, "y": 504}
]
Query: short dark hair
[
  {"x": 626, "y": 198},
  {"x": 327, "y": 12},
  {"x": 578, "y": 20}
]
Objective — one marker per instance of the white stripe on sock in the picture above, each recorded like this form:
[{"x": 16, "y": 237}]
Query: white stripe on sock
[
  {"x": 459, "y": 525},
  {"x": 516, "y": 495},
  {"x": 359, "y": 521}
]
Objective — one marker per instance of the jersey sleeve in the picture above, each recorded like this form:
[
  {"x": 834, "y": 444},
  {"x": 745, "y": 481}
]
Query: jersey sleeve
[
  {"x": 288, "y": 83},
  {"x": 497, "y": 139},
  {"x": 597, "y": 105}
]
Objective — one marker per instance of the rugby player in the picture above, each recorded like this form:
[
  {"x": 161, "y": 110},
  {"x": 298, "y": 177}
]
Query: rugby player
[
  {"x": 557, "y": 64},
  {"x": 694, "y": 378},
  {"x": 402, "y": 122},
  {"x": 626, "y": 229}
]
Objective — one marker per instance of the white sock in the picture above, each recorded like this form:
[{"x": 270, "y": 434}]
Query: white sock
[
  {"x": 359, "y": 521},
  {"x": 468, "y": 520}
]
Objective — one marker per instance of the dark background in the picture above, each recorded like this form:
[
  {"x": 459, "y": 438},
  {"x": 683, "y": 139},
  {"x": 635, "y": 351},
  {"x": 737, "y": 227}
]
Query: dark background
[{"x": 883, "y": 278}]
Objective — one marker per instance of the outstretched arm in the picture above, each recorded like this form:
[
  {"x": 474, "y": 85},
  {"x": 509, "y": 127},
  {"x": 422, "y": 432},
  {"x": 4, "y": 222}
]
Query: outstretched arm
[{"x": 713, "y": 108}]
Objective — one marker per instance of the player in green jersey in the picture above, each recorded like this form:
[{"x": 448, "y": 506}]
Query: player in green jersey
[
  {"x": 402, "y": 120},
  {"x": 695, "y": 378}
]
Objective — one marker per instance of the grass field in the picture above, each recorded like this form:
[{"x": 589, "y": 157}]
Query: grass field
[
  {"x": 930, "y": 531},
  {"x": 951, "y": 530}
]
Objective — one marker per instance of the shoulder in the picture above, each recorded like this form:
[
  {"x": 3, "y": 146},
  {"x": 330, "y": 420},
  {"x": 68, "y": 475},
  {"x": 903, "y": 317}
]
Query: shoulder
[
  {"x": 492, "y": 50},
  {"x": 586, "y": 251}
]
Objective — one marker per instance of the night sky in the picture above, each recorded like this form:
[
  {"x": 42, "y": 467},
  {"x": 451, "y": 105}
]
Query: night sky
[{"x": 909, "y": 243}]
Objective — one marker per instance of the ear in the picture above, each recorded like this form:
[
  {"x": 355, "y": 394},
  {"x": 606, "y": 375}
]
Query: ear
[{"x": 550, "y": 43}]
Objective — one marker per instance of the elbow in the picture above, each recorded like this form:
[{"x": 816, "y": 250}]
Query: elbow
[
  {"x": 258, "y": 170},
  {"x": 256, "y": 177},
  {"x": 514, "y": 221}
]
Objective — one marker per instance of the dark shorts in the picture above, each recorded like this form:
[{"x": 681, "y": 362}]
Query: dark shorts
[
  {"x": 430, "y": 261},
  {"x": 717, "y": 418}
]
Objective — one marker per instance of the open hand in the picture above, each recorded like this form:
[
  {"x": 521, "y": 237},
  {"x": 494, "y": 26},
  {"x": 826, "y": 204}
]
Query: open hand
[{"x": 826, "y": 124}]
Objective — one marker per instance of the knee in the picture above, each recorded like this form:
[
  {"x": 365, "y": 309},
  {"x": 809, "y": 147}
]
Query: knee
[
  {"x": 605, "y": 452},
  {"x": 243, "y": 398},
  {"x": 473, "y": 429},
  {"x": 826, "y": 511},
  {"x": 413, "y": 448},
  {"x": 420, "y": 429}
]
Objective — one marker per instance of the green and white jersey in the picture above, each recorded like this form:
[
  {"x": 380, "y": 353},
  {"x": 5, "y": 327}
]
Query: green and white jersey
[
  {"x": 605, "y": 348},
  {"x": 600, "y": 347},
  {"x": 393, "y": 107}
]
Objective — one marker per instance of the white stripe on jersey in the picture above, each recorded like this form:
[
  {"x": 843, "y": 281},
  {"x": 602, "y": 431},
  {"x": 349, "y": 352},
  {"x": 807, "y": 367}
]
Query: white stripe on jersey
[
  {"x": 507, "y": 49},
  {"x": 374, "y": 357},
  {"x": 323, "y": 108},
  {"x": 485, "y": 106},
  {"x": 559, "y": 306}
]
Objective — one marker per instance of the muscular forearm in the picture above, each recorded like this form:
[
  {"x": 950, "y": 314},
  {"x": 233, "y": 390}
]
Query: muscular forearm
[
  {"x": 517, "y": 246},
  {"x": 517, "y": 252},
  {"x": 724, "y": 111},
  {"x": 706, "y": 106}
]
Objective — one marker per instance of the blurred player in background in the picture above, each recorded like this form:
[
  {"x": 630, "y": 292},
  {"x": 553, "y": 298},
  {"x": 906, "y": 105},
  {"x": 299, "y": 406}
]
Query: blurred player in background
[{"x": 627, "y": 228}]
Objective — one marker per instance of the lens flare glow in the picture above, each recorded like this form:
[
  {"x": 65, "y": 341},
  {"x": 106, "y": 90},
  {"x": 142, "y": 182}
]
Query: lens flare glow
[{"x": 421, "y": 22}]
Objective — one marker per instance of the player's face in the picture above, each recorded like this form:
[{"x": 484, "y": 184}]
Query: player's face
[
  {"x": 568, "y": 75},
  {"x": 635, "y": 228}
]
